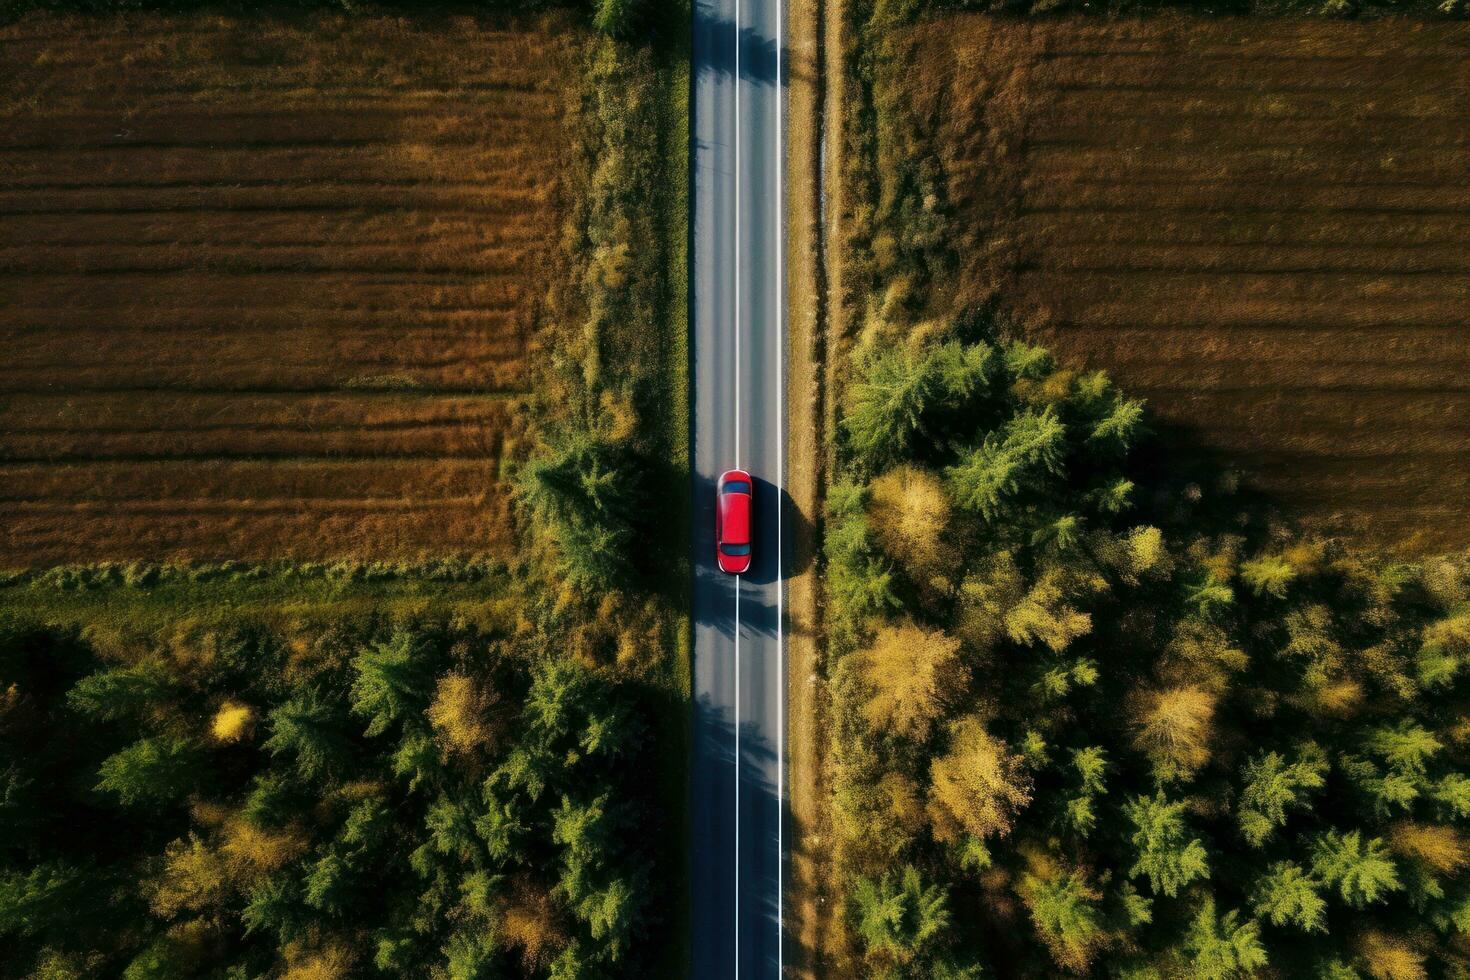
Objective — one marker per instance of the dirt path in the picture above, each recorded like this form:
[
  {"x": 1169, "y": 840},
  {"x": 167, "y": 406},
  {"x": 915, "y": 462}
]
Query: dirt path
[{"x": 811, "y": 125}]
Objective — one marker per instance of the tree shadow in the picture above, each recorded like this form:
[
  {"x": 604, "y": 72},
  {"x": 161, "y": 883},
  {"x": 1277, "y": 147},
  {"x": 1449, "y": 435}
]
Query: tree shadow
[
  {"x": 714, "y": 51},
  {"x": 1193, "y": 488},
  {"x": 735, "y": 810}
]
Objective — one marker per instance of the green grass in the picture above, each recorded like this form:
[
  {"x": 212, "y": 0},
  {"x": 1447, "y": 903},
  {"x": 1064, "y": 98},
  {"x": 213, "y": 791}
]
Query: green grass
[{"x": 100, "y": 601}]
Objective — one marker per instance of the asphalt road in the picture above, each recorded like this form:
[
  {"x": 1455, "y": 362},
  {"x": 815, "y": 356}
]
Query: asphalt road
[{"x": 737, "y": 345}]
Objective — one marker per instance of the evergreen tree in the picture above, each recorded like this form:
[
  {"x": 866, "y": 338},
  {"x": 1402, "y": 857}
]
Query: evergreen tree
[
  {"x": 306, "y": 729},
  {"x": 1031, "y": 446},
  {"x": 1166, "y": 855},
  {"x": 1222, "y": 947},
  {"x": 131, "y": 692},
  {"x": 394, "y": 681},
  {"x": 1406, "y": 747},
  {"x": 580, "y": 492},
  {"x": 899, "y": 917},
  {"x": 1268, "y": 575},
  {"x": 152, "y": 771},
  {"x": 1068, "y": 916},
  {"x": 48, "y": 900},
  {"x": 898, "y": 393},
  {"x": 1362, "y": 873},
  {"x": 1272, "y": 785},
  {"x": 1286, "y": 895}
]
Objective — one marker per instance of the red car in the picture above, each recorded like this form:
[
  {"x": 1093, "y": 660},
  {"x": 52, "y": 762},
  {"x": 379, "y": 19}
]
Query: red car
[{"x": 732, "y": 522}]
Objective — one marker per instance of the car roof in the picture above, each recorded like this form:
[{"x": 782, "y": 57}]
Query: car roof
[{"x": 735, "y": 518}]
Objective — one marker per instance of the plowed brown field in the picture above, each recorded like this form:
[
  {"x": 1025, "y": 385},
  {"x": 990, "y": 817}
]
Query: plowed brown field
[
  {"x": 266, "y": 285},
  {"x": 1262, "y": 226}
]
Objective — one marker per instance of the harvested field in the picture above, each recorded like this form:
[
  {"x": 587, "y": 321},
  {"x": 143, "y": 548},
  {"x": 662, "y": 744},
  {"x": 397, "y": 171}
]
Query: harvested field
[
  {"x": 267, "y": 286},
  {"x": 1262, "y": 226}
]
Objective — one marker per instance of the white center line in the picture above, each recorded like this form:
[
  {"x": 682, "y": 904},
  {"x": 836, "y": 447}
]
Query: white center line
[
  {"x": 737, "y": 777},
  {"x": 737, "y": 234}
]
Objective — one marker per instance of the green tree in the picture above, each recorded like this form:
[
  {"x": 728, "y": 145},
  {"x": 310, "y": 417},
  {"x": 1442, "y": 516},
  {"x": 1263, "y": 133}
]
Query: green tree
[
  {"x": 124, "y": 692},
  {"x": 1068, "y": 916},
  {"x": 1117, "y": 427},
  {"x": 1361, "y": 872},
  {"x": 306, "y": 728},
  {"x": 1407, "y": 746},
  {"x": 1222, "y": 947},
  {"x": 584, "y": 832},
  {"x": 613, "y": 913},
  {"x": 1287, "y": 895},
  {"x": 1166, "y": 854},
  {"x": 899, "y": 917},
  {"x": 1452, "y": 793},
  {"x": 395, "y": 681},
  {"x": 1268, "y": 575},
  {"x": 152, "y": 771},
  {"x": 1031, "y": 445},
  {"x": 893, "y": 400},
  {"x": 618, "y": 18},
  {"x": 1272, "y": 785},
  {"x": 49, "y": 899},
  {"x": 1091, "y": 765},
  {"x": 580, "y": 491}
]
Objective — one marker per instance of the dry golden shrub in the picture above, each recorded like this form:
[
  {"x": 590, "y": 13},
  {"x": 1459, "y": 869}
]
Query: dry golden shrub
[
  {"x": 1174, "y": 727},
  {"x": 909, "y": 513},
  {"x": 1390, "y": 957},
  {"x": 1045, "y": 614},
  {"x": 233, "y": 722},
  {"x": 977, "y": 787},
  {"x": 460, "y": 713},
  {"x": 532, "y": 923},
  {"x": 903, "y": 802},
  {"x": 332, "y": 961},
  {"x": 195, "y": 878},
  {"x": 1338, "y": 697},
  {"x": 253, "y": 851},
  {"x": 1438, "y": 847},
  {"x": 988, "y": 595},
  {"x": 914, "y": 674}
]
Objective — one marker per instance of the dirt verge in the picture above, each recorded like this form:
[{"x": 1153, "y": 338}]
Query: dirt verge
[{"x": 805, "y": 475}]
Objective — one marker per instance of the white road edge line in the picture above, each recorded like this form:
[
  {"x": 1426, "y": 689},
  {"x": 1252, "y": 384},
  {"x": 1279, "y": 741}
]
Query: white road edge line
[
  {"x": 737, "y": 466},
  {"x": 780, "y": 488}
]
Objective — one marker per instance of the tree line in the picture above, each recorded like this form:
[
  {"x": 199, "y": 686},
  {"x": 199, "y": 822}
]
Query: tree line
[
  {"x": 1091, "y": 717},
  {"x": 403, "y": 799}
]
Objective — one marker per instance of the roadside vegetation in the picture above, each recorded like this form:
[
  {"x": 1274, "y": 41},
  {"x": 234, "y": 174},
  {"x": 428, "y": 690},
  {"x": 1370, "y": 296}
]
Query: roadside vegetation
[
  {"x": 376, "y": 754},
  {"x": 409, "y": 799},
  {"x": 1094, "y": 710},
  {"x": 1089, "y": 719}
]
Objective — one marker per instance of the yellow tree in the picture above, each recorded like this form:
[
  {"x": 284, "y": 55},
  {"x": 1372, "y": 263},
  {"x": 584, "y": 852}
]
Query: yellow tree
[
  {"x": 461, "y": 713},
  {"x": 978, "y": 787},
  {"x": 1173, "y": 727},
  {"x": 914, "y": 674},
  {"x": 908, "y": 514}
]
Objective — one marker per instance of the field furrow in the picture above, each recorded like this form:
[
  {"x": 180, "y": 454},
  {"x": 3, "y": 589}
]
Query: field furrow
[
  {"x": 266, "y": 285},
  {"x": 1262, "y": 227}
]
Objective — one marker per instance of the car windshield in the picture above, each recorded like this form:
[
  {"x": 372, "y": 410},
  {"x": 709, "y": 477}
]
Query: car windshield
[
  {"x": 736, "y": 486},
  {"x": 736, "y": 550}
]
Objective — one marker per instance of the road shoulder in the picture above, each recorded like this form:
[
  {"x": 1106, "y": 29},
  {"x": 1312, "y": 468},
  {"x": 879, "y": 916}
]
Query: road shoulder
[{"x": 806, "y": 891}]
